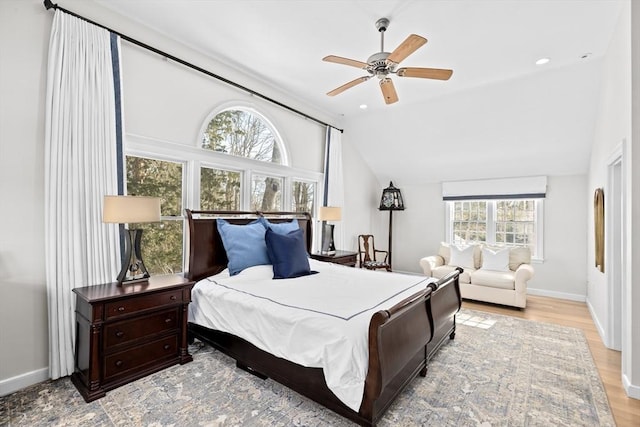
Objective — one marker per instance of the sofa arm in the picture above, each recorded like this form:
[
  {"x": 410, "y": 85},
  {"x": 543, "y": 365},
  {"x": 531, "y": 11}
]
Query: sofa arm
[
  {"x": 522, "y": 275},
  {"x": 430, "y": 262}
]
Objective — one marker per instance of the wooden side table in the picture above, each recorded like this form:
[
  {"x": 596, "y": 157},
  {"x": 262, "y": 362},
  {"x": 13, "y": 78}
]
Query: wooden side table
[
  {"x": 127, "y": 332},
  {"x": 340, "y": 257}
]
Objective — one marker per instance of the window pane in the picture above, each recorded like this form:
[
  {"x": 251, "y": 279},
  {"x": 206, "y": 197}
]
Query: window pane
[
  {"x": 219, "y": 189},
  {"x": 469, "y": 223},
  {"x": 161, "y": 246},
  {"x": 156, "y": 178},
  {"x": 515, "y": 223},
  {"x": 266, "y": 193},
  {"x": 242, "y": 133},
  {"x": 302, "y": 196},
  {"x": 161, "y": 242}
]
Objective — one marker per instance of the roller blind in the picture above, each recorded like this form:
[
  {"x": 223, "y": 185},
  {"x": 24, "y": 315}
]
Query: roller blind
[{"x": 491, "y": 189}]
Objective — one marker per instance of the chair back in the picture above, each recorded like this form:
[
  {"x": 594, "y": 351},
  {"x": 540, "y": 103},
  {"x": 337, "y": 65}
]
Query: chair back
[
  {"x": 370, "y": 257},
  {"x": 366, "y": 248}
]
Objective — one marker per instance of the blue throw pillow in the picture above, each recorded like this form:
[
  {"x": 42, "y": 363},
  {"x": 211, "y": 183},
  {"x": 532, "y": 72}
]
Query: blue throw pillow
[
  {"x": 244, "y": 244},
  {"x": 288, "y": 254},
  {"x": 281, "y": 227}
]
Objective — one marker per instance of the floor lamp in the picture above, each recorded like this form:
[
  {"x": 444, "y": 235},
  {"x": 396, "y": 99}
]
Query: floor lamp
[{"x": 391, "y": 200}]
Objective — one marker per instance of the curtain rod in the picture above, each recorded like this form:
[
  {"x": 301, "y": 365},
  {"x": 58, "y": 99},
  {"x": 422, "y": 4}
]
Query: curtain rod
[{"x": 48, "y": 4}]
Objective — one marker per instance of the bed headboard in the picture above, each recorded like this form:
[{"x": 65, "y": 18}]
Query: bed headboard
[{"x": 206, "y": 252}]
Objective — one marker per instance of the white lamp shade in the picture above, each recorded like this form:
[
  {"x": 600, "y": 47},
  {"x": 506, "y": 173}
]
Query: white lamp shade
[
  {"x": 130, "y": 209},
  {"x": 330, "y": 213}
]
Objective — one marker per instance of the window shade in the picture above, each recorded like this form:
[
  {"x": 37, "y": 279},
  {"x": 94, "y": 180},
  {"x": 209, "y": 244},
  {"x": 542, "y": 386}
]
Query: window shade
[{"x": 488, "y": 189}]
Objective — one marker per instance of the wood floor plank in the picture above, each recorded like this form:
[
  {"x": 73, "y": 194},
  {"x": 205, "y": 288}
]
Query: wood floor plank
[{"x": 626, "y": 410}]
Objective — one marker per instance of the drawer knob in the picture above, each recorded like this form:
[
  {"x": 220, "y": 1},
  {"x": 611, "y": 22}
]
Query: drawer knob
[
  {"x": 173, "y": 297},
  {"x": 168, "y": 320},
  {"x": 119, "y": 334},
  {"x": 121, "y": 308},
  {"x": 118, "y": 363},
  {"x": 167, "y": 346}
]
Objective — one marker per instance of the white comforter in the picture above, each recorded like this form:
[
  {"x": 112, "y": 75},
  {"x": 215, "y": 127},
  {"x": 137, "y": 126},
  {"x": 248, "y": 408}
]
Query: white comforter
[{"x": 319, "y": 321}]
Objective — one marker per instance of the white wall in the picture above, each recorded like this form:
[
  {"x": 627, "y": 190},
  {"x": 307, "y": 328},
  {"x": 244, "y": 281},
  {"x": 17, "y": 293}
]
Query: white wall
[
  {"x": 24, "y": 40},
  {"x": 162, "y": 100},
  {"x": 631, "y": 351}
]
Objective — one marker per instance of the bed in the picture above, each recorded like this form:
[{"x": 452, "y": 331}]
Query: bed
[{"x": 399, "y": 338}]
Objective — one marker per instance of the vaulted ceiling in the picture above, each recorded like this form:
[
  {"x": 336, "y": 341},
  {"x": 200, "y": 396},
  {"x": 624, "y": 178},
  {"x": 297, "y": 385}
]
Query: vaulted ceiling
[{"x": 499, "y": 115}]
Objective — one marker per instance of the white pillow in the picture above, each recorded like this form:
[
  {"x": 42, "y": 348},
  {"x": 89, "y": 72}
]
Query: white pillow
[
  {"x": 497, "y": 260},
  {"x": 462, "y": 257}
]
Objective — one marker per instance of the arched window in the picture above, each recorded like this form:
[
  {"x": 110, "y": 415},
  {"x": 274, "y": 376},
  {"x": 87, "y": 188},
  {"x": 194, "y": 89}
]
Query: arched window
[{"x": 243, "y": 132}]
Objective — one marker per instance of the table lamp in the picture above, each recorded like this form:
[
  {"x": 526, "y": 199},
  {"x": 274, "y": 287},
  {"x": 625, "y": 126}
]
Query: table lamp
[
  {"x": 328, "y": 213},
  {"x": 131, "y": 210}
]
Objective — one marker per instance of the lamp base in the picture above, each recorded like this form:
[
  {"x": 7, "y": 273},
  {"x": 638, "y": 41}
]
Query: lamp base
[
  {"x": 328, "y": 247},
  {"x": 133, "y": 269}
]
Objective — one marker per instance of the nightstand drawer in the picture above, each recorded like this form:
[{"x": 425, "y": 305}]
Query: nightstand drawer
[
  {"x": 126, "y": 331},
  {"x": 134, "y": 305},
  {"x": 123, "y": 362}
]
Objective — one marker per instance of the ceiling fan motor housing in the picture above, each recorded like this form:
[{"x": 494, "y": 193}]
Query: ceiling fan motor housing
[{"x": 378, "y": 64}]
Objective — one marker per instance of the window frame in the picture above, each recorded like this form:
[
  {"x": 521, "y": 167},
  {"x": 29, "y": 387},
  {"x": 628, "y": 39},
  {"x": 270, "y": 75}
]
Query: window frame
[
  {"x": 185, "y": 185},
  {"x": 250, "y": 108},
  {"x": 491, "y": 224}
]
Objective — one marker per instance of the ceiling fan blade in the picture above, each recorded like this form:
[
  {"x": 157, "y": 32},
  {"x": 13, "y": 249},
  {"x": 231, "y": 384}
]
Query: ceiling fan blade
[
  {"x": 388, "y": 91},
  {"x": 346, "y": 86},
  {"x": 425, "y": 73},
  {"x": 345, "y": 61},
  {"x": 406, "y": 48}
]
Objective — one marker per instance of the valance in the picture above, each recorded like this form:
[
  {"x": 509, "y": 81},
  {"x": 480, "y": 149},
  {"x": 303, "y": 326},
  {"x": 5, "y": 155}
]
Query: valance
[{"x": 487, "y": 189}]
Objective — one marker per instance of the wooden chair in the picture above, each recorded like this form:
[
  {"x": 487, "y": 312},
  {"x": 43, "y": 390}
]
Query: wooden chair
[{"x": 370, "y": 257}]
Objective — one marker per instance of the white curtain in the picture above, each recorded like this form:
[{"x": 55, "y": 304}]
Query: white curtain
[
  {"x": 334, "y": 182},
  {"x": 80, "y": 168}
]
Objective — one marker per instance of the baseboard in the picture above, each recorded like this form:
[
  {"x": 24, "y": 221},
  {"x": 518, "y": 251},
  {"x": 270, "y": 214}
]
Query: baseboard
[
  {"x": 558, "y": 295},
  {"x": 633, "y": 391},
  {"x": 596, "y": 321},
  {"x": 11, "y": 385}
]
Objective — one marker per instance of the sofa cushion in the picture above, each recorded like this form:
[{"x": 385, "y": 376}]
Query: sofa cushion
[
  {"x": 518, "y": 256},
  {"x": 494, "y": 279},
  {"x": 443, "y": 270}
]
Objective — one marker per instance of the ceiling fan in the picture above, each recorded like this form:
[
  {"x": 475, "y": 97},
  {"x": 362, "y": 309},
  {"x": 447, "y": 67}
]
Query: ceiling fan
[{"x": 383, "y": 63}]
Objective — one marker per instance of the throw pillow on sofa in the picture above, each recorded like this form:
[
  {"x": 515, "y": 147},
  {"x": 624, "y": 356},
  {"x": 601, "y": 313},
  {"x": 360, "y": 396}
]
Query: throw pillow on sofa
[
  {"x": 462, "y": 256},
  {"x": 495, "y": 259}
]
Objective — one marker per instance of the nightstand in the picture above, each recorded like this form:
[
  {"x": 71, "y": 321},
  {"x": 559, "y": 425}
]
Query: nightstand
[
  {"x": 340, "y": 257},
  {"x": 127, "y": 332}
]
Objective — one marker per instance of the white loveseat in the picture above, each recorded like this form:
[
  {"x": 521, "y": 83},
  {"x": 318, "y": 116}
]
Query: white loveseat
[{"x": 501, "y": 280}]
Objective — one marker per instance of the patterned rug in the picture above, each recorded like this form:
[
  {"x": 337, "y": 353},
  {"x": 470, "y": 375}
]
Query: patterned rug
[{"x": 499, "y": 371}]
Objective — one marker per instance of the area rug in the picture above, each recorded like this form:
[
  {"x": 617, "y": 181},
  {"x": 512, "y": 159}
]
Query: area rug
[{"x": 499, "y": 371}]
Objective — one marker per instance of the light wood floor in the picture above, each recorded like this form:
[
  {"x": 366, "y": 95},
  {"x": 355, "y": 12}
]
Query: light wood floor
[{"x": 626, "y": 411}]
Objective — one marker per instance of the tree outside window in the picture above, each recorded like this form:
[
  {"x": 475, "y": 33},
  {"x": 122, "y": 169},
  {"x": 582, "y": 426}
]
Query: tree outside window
[
  {"x": 303, "y": 193},
  {"x": 161, "y": 242},
  {"x": 219, "y": 189},
  {"x": 241, "y": 133}
]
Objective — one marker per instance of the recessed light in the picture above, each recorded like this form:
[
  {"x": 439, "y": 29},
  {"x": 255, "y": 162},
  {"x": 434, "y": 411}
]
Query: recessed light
[
  {"x": 542, "y": 61},
  {"x": 363, "y": 106}
]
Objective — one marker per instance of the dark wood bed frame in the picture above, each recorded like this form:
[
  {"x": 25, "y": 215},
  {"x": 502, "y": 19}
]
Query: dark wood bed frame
[{"x": 401, "y": 339}]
